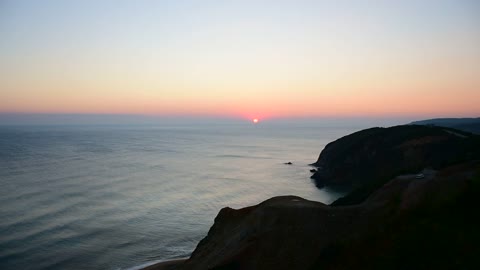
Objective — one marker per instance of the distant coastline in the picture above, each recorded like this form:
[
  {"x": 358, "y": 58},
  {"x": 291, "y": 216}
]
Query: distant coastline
[{"x": 465, "y": 124}]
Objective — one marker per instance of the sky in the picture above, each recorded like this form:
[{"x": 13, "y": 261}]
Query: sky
[{"x": 251, "y": 59}]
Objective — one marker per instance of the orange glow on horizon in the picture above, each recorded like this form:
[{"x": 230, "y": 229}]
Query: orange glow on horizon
[
  {"x": 221, "y": 62},
  {"x": 255, "y": 120}
]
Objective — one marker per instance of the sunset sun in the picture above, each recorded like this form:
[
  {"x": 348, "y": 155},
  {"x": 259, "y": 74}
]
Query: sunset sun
[{"x": 255, "y": 120}]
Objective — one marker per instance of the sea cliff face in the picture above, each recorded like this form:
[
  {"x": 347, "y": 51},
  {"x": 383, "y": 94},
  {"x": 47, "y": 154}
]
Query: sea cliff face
[{"x": 401, "y": 222}]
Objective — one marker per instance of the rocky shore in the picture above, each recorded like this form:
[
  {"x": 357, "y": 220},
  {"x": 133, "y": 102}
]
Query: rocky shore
[{"x": 392, "y": 219}]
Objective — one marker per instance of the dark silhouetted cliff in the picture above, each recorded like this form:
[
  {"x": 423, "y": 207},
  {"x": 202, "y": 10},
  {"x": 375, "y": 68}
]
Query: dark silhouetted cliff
[
  {"x": 365, "y": 160},
  {"x": 408, "y": 223},
  {"x": 401, "y": 221}
]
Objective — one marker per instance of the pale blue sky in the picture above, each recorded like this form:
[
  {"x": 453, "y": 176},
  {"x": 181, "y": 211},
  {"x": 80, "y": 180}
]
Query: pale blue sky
[{"x": 239, "y": 57}]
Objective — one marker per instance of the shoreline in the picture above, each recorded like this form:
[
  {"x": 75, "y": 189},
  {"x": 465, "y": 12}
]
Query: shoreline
[
  {"x": 165, "y": 265},
  {"x": 255, "y": 237}
]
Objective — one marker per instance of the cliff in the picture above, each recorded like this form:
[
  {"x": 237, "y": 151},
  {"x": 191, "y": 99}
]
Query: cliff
[
  {"x": 365, "y": 160},
  {"x": 407, "y": 223},
  {"x": 391, "y": 220}
]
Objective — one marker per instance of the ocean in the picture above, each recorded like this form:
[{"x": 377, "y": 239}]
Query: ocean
[{"x": 122, "y": 196}]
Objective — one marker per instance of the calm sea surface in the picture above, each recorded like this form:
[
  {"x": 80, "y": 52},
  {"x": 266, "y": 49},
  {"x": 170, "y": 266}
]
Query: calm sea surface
[{"x": 96, "y": 197}]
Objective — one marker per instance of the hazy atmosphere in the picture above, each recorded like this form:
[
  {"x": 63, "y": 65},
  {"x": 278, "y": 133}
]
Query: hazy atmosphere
[
  {"x": 239, "y": 134},
  {"x": 248, "y": 59}
]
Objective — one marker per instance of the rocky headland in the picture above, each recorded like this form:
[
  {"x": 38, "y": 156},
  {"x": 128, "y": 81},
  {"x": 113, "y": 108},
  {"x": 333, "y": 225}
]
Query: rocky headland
[
  {"x": 466, "y": 124},
  {"x": 392, "y": 219},
  {"x": 367, "y": 159}
]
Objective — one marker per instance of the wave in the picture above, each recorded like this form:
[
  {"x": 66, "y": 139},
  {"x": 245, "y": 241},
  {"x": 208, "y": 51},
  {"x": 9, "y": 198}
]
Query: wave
[
  {"x": 241, "y": 156},
  {"x": 141, "y": 266}
]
